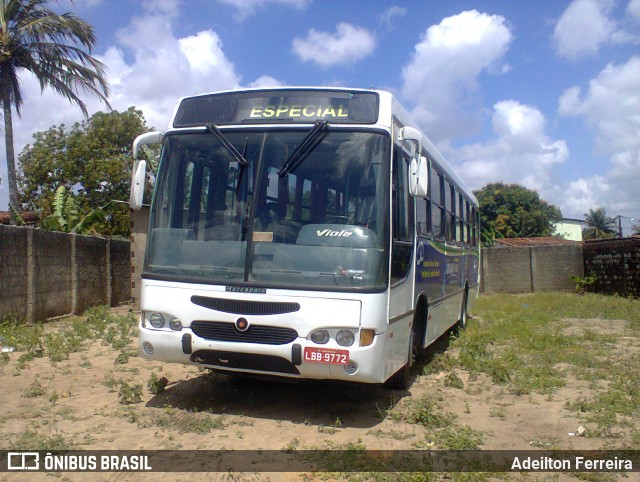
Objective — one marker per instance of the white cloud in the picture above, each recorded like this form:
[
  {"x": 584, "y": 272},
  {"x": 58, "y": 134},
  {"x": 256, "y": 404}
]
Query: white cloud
[
  {"x": 585, "y": 26},
  {"x": 162, "y": 69},
  {"x": 633, "y": 10},
  {"x": 445, "y": 66},
  {"x": 611, "y": 108},
  {"x": 584, "y": 194},
  {"x": 520, "y": 153},
  {"x": 164, "y": 7},
  {"x": 246, "y": 8},
  {"x": 387, "y": 17},
  {"x": 165, "y": 67},
  {"x": 266, "y": 81},
  {"x": 348, "y": 44}
]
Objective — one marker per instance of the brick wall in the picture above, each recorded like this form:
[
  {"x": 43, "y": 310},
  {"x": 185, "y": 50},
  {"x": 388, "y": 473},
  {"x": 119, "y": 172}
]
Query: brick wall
[{"x": 615, "y": 264}]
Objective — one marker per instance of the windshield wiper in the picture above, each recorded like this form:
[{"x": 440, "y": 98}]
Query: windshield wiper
[
  {"x": 308, "y": 144},
  {"x": 227, "y": 145}
]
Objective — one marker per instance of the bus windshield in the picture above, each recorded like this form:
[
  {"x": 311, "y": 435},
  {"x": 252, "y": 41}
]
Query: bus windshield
[{"x": 318, "y": 222}]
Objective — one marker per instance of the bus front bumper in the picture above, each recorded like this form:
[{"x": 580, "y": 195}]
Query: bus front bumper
[{"x": 362, "y": 364}]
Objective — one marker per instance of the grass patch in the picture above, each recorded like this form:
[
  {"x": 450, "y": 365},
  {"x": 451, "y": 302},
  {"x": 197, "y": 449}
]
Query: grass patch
[
  {"x": 519, "y": 340},
  {"x": 522, "y": 342},
  {"x": 67, "y": 336},
  {"x": 184, "y": 422},
  {"x": 33, "y": 439}
]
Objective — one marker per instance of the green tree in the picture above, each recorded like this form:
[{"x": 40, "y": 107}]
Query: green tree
[
  {"x": 66, "y": 215},
  {"x": 636, "y": 229},
  {"x": 599, "y": 225},
  {"x": 92, "y": 161},
  {"x": 57, "y": 50},
  {"x": 513, "y": 211}
]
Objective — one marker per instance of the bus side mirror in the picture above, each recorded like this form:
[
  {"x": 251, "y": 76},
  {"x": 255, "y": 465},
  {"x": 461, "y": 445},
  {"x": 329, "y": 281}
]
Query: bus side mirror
[
  {"x": 154, "y": 137},
  {"x": 411, "y": 134},
  {"x": 418, "y": 177},
  {"x": 137, "y": 184},
  {"x": 140, "y": 167}
]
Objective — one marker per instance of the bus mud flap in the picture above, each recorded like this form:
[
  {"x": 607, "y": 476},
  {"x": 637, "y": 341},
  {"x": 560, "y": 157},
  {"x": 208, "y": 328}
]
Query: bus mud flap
[
  {"x": 296, "y": 354},
  {"x": 186, "y": 344}
]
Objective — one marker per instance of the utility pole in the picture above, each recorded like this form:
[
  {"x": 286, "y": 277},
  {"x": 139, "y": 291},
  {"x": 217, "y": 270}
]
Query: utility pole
[{"x": 619, "y": 225}]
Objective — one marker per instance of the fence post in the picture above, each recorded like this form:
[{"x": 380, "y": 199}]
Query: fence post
[
  {"x": 108, "y": 280},
  {"x": 30, "y": 278}
]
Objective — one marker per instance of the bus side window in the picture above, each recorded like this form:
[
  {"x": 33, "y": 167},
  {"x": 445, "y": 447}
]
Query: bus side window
[
  {"x": 450, "y": 216},
  {"x": 402, "y": 229},
  {"x": 423, "y": 216},
  {"x": 437, "y": 200}
]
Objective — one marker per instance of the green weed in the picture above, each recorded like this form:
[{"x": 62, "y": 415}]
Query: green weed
[
  {"x": 426, "y": 412},
  {"x": 35, "y": 390},
  {"x": 157, "y": 385},
  {"x": 129, "y": 393}
]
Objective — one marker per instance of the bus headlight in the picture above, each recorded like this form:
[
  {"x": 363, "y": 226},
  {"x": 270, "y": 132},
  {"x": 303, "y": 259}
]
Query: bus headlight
[
  {"x": 157, "y": 320},
  {"x": 175, "y": 324},
  {"x": 345, "y": 338},
  {"x": 320, "y": 337}
]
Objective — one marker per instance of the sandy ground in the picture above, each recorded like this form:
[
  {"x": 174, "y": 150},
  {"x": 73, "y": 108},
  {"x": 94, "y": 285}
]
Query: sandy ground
[{"x": 199, "y": 410}]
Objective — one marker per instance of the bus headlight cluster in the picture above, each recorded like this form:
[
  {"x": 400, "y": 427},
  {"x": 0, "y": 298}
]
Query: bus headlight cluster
[
  {"x": 157, "y": 320},
  {"x": 162, "y": 320},
  {"x": 320, "y": 337},
  {"x": 343, "y": 337}
]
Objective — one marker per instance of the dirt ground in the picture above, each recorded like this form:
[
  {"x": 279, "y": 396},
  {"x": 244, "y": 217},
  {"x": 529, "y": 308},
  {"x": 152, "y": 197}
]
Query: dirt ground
[{"x": 78, "y": 405}]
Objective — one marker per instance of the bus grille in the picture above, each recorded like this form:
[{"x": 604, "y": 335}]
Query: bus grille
[
  {"x": 244, "y": 307},
  {"x": 223, "y": 331},
  {"x": 244, "y": 361}
]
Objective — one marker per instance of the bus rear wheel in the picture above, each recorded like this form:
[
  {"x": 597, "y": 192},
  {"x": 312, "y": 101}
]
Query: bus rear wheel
[{"x": 462, "y": 322}]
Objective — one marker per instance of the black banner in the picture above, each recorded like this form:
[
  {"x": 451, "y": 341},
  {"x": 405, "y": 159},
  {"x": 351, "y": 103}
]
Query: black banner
[{"x": 321, "y": 461}]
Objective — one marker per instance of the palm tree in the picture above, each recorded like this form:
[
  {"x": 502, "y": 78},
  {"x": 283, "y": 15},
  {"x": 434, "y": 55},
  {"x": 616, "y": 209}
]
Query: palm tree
[
  {"x": 599, "y": 225},
  {"x": 56, "y": 49}
]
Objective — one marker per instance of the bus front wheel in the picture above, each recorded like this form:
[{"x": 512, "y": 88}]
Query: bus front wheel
[{"x": 401, "y": 380}]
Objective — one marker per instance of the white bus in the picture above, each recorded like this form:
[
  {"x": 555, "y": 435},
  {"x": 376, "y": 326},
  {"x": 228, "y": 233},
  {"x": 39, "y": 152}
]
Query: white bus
[{"x": 304, "y": 233}]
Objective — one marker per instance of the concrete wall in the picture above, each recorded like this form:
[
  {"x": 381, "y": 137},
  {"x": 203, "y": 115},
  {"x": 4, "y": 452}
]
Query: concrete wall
[
  {"x": 93, "y": 272},
  {"x": 45, "y": 273},
  {"x": 13, "y": 272},
  {"x": 51, "y": 287},
  {"x": 529, "y": 269},
  {"x": 120, "y": 262}
]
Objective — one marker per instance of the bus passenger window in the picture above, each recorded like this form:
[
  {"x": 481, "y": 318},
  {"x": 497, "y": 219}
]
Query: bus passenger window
[
  {"x": 437, "y": 198},
  {"x": 402, "y": 230}
]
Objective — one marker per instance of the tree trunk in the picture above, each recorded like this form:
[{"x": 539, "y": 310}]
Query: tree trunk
[{"x": 11, "y": 158}]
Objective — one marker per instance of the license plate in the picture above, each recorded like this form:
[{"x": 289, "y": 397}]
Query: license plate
[{"x": 330, "y": 356}]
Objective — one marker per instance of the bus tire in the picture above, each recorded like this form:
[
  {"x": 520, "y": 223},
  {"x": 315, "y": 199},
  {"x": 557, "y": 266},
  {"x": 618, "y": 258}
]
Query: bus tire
[
  {"x": 462, "y": 322},
  {"x": 401, "y": 380}
]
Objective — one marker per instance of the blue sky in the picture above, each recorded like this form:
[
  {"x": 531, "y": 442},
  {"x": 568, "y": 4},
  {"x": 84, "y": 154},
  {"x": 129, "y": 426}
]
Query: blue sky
[{"x": 547, "y": 96}]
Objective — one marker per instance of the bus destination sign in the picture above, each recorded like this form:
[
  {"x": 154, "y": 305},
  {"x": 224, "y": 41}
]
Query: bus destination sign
[
  {"x": 310, "y": 112},
  {"x": 278, "y": 106}
]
